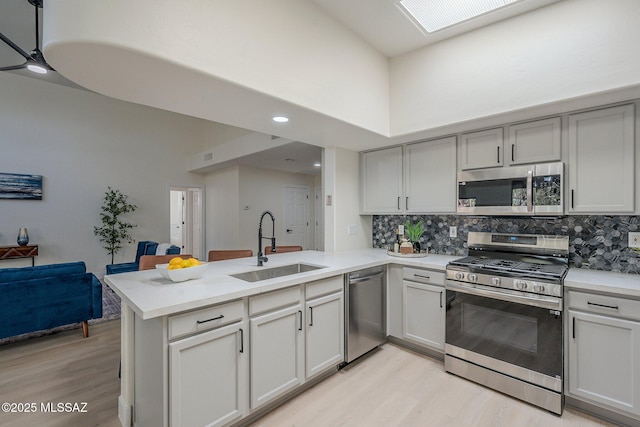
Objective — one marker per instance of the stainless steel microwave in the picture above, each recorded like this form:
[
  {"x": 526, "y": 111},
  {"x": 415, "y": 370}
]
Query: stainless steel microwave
[{"x": 516, "y": 190}]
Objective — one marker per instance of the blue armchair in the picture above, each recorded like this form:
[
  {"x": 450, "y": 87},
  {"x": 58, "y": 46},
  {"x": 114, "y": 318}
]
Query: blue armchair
[{"x": 145, "y": 247}]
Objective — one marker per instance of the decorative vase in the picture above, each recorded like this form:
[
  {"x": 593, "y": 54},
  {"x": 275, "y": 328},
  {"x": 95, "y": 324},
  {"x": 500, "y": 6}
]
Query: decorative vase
[
  {"x": 416, "y": 247},
  {"x": 23, "y": 237}
]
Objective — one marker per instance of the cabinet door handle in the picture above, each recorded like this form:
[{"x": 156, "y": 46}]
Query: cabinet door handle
[
  {"x": 612, "y": 307},
  {"x": 498, "y": 147},
  {"x": 209, "y": 320},
  {"x": 398, "y": 202},
  {"x": 300, "y": 313},
  {"x": 573, "y": 328},
  {"x": 440, "y": 299},
  {"x": 513, "y": 149},
  {"x": 406, "y": 203},
  {"x": 571, "y": 199},
  {"x": 422, "y": 277},
  {"x": 241, "y": 341},
  {"x": 310, "y": 316}
]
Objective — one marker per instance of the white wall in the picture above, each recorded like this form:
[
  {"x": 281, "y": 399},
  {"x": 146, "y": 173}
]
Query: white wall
[
  {"x": 229, "y": 225},
  {"x": 341, "y": 180},
  {"x": 286, "y": 49},
  {"x": 81, "y": 142},
  {"x": 568, "y": 49},
  {"x": 221, "y": 206}
]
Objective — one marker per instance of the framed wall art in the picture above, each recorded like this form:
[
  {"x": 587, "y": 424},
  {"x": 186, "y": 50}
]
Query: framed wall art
[{"x": 20, "y": 186}]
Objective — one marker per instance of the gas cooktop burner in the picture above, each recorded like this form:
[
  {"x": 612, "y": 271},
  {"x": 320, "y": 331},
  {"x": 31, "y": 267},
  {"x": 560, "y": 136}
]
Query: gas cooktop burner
[{"x": 480, "y": 264}]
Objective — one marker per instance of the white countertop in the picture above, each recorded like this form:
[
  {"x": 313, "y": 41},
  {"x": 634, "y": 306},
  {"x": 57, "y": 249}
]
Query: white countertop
[
  {"x": 603, "y": 281},
  {"x": 150, "y": 295}
]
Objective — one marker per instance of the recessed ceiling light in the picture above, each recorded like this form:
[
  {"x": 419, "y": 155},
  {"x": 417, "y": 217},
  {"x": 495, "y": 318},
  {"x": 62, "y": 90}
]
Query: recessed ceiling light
[
  {"x": 280, "y": 119},
  {"x": 434, "y": 15},
  {"x": 317, "y": 164}
]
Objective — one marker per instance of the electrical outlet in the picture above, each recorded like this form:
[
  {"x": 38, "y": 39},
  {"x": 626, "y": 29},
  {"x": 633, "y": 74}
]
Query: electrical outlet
[
  {"x": 401, "y": 229},
  {"x": 352, "y": 229},
  {"x": 453, "y": 231},
  {"x": 634, "y": 239}
]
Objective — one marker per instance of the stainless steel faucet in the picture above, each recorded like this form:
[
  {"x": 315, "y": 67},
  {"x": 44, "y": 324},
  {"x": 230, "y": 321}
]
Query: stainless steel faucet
[{"x": 261, "y": 257}]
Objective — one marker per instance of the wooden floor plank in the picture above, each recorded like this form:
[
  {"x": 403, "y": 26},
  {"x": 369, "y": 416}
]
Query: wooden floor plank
[{"x": 390, "y": 387}]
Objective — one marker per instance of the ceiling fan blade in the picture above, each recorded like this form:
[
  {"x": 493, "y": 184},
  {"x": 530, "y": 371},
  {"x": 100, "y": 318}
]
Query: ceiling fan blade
[
  {"x": 13, "y": 67},
  {"x": 14, "y": 46}
]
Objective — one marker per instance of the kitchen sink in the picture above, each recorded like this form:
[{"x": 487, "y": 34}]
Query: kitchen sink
[{"x": 271, "y": 273}]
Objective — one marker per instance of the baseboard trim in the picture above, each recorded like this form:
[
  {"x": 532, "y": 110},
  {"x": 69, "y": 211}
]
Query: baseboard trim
[
  {"x": 597, "y": 411},
  {"x": 124, "y": 412}
]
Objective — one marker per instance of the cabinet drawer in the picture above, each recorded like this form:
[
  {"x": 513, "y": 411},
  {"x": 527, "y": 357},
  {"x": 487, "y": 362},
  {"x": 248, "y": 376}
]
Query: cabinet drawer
[
  {"x": 205, "y": 319},
  {"x": 423, "y": 276},
  {"x": 274, "y": 300},
  {"x": 324, "y": 287},
  {"x": 603, "y": 304}
]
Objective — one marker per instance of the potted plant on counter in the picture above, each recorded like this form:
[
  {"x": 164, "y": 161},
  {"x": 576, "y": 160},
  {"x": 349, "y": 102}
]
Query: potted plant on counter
[{"x": 413, "y": 233}]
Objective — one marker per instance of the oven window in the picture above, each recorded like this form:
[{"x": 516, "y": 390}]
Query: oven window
[
  {"x": 530, "y": 337},
  {"x": 507, "y": 329}
]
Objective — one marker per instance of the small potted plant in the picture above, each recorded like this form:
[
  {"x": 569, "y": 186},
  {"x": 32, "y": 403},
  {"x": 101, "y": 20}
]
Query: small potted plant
[{"x": 413, "y": 233}]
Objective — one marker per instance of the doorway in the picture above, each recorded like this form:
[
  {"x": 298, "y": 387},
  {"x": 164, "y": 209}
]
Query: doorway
[
  {"x": 185, "y": 219},
  {"x": 297, "y": 216}
]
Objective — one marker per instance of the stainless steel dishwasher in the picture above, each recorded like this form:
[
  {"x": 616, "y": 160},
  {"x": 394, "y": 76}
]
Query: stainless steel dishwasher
[{"x": 365, "y": 311}]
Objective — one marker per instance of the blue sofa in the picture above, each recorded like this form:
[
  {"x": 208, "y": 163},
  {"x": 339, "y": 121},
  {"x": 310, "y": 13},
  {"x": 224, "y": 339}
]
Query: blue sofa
[
  {"x": 46, "y": 296},
  {"x": 145, "y": 247}
]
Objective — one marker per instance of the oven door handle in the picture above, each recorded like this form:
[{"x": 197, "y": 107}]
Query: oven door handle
[{"x": 547, "y": 303}]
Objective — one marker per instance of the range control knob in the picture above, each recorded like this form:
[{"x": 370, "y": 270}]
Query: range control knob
[
  {"x": 473, "y": 278},
  {"x": 538, "y": 287},
  {"x": 521, "y": 284},
  {"x": 459, "y": 275},
  {"x": 495, "y": 281}
]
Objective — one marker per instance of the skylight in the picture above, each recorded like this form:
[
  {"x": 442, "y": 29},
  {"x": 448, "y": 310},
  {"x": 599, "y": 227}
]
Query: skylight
[{"x": 435, "y": 15}]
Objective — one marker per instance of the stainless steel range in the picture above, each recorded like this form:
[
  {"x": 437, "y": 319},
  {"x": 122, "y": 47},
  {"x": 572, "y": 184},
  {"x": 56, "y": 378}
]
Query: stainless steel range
[{"x": 504, "y": 323}]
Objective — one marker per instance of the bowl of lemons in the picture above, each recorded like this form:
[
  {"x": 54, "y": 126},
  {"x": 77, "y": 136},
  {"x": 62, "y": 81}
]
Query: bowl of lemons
[{"x": 179, "y": 269}]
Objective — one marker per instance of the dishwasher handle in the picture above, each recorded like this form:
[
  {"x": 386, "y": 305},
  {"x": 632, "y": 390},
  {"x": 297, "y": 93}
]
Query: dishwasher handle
[{"x": 365, "y": 278}]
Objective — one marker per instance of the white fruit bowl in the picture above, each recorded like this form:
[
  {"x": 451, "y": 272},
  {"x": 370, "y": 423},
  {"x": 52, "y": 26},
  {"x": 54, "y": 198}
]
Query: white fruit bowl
[{"x": 182, "y": 274}]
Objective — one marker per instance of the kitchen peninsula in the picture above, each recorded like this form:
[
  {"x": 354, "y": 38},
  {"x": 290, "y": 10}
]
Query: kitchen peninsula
[
  {"x": 159, "y": 317},
  {"x": 168, "y": 327}
]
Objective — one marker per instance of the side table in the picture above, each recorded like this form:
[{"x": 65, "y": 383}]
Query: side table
[{"x": 13, "y": 252}]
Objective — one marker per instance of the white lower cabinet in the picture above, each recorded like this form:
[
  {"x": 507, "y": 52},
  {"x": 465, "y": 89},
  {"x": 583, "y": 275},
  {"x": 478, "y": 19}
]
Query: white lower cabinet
[
  {"x": 424, "y": 300},
  {"x": 604, "y": 352},
  {"x": 325, "y": 333},
  {"x": 208, "y": 373},
  {"x": 276, "y": 354}
]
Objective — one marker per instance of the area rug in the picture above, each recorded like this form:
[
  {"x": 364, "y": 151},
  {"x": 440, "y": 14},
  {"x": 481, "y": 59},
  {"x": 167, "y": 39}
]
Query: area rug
[{"x": 110, "y": 311}]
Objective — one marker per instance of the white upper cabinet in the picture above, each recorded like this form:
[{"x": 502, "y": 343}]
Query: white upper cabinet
[
  {"x": 419, "y": 179},
  {"x": 381, "y": 181},
  {"x": 482, "y": 149},
  {"x": 534, "y": 142},
  {"x": 430, "y": 176},
  {"x": 601, "y": 161}
]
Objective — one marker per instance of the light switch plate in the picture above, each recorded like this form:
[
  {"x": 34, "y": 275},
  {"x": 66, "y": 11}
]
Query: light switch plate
[
  {"x": 453, "y": 231},
  {"x": 634, "y": 239},
  {"x": 401, "y": 229}
]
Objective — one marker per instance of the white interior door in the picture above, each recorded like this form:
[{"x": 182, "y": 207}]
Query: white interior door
[
  {"x": 185, "y": 220},
  {"x": 297, "y": 216}
]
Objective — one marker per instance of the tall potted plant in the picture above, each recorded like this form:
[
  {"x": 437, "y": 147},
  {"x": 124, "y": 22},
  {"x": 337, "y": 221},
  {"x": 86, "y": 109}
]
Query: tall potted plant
[
  {"x": 413, "y": 233},
  {"x": 114, "y": 230}
]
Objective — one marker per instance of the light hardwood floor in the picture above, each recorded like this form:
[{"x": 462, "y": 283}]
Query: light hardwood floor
[
  {"x": 63, "y": 368},
  {"x": 397, "y": 387},
  {"x": 391, "y": 387}
]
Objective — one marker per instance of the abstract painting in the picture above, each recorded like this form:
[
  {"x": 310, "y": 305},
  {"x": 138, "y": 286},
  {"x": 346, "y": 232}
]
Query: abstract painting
[{"x": 20, "y": 186}]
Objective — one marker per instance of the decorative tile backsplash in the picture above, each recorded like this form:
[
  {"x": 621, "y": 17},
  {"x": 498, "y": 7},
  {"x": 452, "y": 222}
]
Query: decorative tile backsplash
[{"x": 595, "y": 242}]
